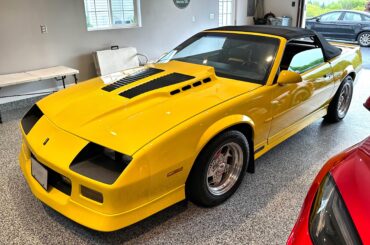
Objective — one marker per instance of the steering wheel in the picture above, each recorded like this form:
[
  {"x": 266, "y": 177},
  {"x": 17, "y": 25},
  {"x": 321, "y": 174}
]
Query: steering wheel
[{"x": 258, "y": 67}]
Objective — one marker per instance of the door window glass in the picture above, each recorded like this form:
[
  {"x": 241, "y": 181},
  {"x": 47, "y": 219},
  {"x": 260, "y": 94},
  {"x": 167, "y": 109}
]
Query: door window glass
[
  {"x": 306, "y": 60},
  {"x": 352, "y": 17},
  {"x": 330, "y": 17}
]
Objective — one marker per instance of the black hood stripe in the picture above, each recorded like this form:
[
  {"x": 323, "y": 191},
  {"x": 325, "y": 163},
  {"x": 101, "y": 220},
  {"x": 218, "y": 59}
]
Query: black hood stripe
[
  {"x": 161, "y": 82},
  {"x": 132, "y": 78}
]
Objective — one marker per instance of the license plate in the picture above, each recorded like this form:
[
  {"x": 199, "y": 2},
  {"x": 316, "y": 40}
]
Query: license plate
[{"x": 40, "y": 173}]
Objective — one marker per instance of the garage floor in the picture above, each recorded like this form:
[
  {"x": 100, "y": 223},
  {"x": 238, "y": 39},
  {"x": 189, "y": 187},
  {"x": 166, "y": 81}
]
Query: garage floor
[{"x": 262, "y": 211}]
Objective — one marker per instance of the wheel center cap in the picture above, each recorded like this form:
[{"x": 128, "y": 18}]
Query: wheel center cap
[{"x": 221, "y": 167}]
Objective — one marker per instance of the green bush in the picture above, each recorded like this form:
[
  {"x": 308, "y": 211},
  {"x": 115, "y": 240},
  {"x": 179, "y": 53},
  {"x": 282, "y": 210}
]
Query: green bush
[{"x": 316, "y": 7}]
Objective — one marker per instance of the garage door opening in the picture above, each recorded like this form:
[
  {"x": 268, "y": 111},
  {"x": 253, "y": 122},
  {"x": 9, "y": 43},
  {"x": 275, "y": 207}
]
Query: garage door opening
[{"x": 340, "y": 20}]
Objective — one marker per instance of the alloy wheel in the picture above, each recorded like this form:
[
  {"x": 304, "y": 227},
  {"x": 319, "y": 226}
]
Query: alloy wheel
[
  {"x": 344, "y": 100},
  {"x": 364, "y": 39},
  {"x": 225, "y": 168}
]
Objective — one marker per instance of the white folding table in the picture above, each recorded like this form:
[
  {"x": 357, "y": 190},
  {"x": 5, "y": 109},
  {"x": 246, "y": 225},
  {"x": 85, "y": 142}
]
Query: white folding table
[{"x": 59, "y": 73}]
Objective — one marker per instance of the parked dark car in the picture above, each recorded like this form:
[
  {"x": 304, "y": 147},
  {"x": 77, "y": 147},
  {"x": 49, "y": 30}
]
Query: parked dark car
[{"x": 343, "y": 25}]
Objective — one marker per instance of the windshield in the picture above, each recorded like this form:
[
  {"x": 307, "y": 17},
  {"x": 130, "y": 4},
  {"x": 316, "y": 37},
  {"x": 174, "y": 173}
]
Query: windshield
[{"x": 237, "y": 56}]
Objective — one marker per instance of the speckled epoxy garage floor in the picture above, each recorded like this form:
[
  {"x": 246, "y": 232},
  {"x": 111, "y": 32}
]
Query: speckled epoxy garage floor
[{"x": 262, "y": 211}]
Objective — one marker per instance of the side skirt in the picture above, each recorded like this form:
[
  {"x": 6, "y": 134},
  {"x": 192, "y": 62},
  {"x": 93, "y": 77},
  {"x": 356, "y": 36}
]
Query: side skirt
[{"x": 290, "y": 131}]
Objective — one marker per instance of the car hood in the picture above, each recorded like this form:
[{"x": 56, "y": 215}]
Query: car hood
[
  {"x": 126, "y": 123},
  {"x": 352, "y": 177}
]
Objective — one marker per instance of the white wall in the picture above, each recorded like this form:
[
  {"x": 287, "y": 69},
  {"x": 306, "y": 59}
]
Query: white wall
[
  {"x": 241, "y": 16},
  {"x": 23, "y": 47},
  {"x": 241, "y": 12}
]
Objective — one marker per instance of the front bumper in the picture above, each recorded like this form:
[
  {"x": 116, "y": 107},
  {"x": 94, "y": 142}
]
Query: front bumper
[{"x": 85, "y": 214}]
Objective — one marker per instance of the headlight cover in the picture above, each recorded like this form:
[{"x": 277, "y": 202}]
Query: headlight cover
[
  {"x": 100, "y": 164},
  {"x": 330, "y": 222},
  {"x": 30, "y": 119}
]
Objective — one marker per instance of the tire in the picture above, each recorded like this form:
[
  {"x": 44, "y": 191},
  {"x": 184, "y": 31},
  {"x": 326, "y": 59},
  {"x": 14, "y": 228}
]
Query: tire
[
  {"x": 219, "y": 169},
  {"x": 364, "y": 39},
  {"x": 339, "y": 105}
]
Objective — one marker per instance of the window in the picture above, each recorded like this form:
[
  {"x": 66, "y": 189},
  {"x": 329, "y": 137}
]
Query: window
[
  {"x": 241, "y": 57},
  {"x": 352, "y": 17},
  {"x": 306, "y": 60},
  {"x": 225, "y": 12},
  {"x": 331, "y": 17},
  {"x": 111, "y": 14}
]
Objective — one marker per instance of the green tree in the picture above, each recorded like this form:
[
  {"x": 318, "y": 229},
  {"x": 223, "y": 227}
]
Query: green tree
[{"x": 316, "y": 7}]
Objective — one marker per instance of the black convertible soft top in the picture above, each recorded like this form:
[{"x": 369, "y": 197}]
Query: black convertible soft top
[{"x": 288, "y": 33}]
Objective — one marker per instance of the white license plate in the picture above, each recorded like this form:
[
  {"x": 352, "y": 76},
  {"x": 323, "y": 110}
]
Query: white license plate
[{"x": 40, "y": 173}]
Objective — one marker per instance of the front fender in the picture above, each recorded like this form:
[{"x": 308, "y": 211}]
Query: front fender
[
  {"x": 365, "y": 28},
  {"x": 221, "y": 125},
  {"x": 349, "y": 69}
]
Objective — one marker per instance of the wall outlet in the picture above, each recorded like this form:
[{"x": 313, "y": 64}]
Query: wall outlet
[
  {"x": 44, "y": 29},
  {"x": 211, "y": 16}
]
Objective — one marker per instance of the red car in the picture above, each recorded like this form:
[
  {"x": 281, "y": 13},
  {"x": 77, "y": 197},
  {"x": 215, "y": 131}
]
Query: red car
[{"x": 337, "y": 207}]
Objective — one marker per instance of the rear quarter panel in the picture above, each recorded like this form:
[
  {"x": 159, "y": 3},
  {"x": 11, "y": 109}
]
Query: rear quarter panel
[{"x": 350, "y": 61}]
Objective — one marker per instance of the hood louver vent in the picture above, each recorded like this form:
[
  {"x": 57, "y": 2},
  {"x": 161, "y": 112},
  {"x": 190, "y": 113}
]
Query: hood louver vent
[
  {"x": 187, "y": 87},
  {"x": 132, "y": 78},
  {"x": 161, "y": 82}
]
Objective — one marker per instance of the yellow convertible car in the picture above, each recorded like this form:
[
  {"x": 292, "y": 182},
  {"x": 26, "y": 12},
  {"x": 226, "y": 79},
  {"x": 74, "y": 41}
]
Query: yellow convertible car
[{"x": 114, "y": 150}]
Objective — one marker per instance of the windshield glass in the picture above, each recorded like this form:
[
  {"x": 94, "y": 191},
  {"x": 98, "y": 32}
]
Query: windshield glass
[{"x": 237, "y": 56}]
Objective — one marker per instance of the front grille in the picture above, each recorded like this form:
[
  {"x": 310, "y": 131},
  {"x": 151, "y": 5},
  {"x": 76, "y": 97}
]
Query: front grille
[
  {"x": 56, "y": 180},
  {"x": 59, "y": 182},
  {"x": 161, "y": 82},
  {"x": 132, "y": 78}
]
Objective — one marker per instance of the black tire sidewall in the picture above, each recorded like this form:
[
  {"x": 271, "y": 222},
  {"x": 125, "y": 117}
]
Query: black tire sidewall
[
  {"x": 333, "y": 115},
  {"x": 197, "y": 189}
]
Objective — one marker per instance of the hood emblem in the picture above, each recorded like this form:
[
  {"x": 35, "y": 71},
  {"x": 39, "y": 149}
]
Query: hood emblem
[{"x": 46, "y": 141}]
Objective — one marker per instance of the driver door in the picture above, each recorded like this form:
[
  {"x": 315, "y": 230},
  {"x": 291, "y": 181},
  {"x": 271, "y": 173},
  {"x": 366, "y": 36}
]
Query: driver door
[{"x": 292, "y": 103}]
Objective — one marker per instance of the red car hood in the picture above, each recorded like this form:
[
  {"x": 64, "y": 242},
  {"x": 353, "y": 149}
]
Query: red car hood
[{"x": 352, "y": 177}]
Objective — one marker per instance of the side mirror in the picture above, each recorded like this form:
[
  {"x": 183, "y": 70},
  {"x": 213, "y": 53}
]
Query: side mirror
[
  {"x": 367, "y": 104},
  {"x": 318, "y": 19},
  {"x": 288, "y": 77}
]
